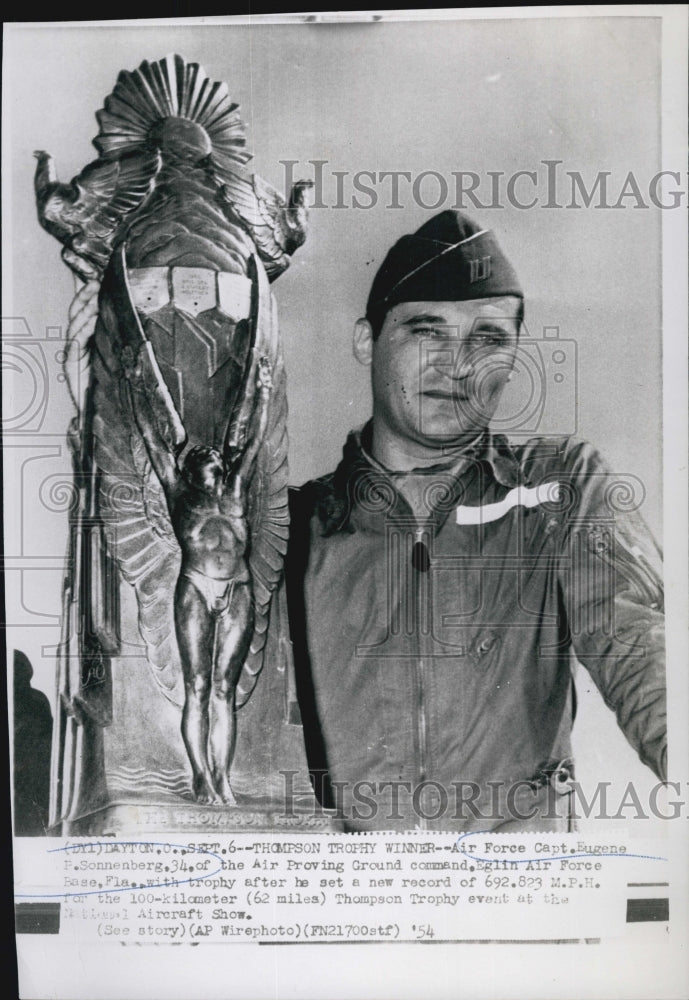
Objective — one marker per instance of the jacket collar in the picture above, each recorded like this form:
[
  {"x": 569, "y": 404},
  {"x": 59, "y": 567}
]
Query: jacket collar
[{"x": 336, "y": 495}]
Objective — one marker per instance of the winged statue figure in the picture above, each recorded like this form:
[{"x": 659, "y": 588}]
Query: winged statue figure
[{"x": 180, "y": 443}]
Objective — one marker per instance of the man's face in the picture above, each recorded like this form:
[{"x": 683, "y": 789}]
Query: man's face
[{"x": 439, "y": 368}]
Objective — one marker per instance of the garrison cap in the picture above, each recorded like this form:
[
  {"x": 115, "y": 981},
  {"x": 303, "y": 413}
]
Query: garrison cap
[{"x": 450, "y": 258}]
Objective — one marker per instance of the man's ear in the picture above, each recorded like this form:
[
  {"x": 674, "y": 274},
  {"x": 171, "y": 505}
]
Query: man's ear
[{"x": 363, "y": 341}]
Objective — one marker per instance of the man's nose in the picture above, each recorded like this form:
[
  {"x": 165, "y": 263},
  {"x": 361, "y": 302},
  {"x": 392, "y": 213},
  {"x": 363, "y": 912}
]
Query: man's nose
[
  {"x": 464, "y": 366},
  {"x": 451, "y": 357},
  {"x": 456, "y": 363}
]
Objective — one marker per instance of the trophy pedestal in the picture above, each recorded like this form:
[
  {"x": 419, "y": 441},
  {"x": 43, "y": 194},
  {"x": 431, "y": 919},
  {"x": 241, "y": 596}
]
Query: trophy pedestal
[{"x": 134, "y": 819}]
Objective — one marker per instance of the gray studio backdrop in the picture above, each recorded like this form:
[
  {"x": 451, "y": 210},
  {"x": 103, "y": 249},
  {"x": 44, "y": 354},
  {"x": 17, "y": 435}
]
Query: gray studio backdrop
[{"x": 485, "y": 97}]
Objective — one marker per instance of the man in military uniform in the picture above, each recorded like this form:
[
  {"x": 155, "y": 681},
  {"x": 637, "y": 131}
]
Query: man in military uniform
[{"x": 441, "y": 580}]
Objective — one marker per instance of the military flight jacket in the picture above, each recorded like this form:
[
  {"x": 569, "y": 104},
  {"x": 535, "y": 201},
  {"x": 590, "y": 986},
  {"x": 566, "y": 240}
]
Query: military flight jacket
[{"x": 433, "y": 656}]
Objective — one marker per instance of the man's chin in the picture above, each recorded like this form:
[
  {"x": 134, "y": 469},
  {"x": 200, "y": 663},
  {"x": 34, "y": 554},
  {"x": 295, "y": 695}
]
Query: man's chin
[{"x": 448, "y": 437}]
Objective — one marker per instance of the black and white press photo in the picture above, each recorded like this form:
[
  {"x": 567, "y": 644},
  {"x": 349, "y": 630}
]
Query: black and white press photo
[{"x": 344, "y": 426}]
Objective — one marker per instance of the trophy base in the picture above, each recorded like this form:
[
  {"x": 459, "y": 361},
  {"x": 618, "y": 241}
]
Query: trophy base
[{"x": 126, "y": 819}]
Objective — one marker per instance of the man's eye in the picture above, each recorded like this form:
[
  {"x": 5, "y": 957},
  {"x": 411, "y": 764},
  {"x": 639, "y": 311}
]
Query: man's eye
[
  {"x": 487, "y": 339},
  {"x": 431, "y": 331}
]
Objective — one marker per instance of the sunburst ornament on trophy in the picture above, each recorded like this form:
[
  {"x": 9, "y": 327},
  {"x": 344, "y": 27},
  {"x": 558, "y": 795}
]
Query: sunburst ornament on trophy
[
  {"x": 174, "y": 106},
  {"x": 165, "y": 115}
]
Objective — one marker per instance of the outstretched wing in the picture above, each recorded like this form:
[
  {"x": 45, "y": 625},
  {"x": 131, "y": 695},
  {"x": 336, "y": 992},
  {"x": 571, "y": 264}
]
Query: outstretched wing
[
  {"x": 133, "y": 507},
  {"x": 86, "y": 214},
  {"x": 286, "y": 220},
  {"x": 267, "y": 509},
  {"x": 154, "y": 410},
  {"x": 134, "y": 182},
  {"x": 130, "y": 499},
  {"x": 262, "y": 210}
]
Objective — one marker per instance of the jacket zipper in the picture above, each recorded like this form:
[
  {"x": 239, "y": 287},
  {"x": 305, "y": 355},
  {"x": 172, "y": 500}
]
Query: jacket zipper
[{"x": 421, "y": 720}]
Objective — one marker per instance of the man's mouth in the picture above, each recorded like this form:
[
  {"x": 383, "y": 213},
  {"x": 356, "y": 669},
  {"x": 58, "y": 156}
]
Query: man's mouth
[{"x": 441, "y": 394}]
